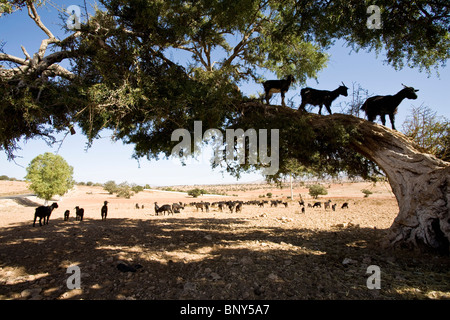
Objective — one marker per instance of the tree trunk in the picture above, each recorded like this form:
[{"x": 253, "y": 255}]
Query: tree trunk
[{"x": 419, "y": 181}]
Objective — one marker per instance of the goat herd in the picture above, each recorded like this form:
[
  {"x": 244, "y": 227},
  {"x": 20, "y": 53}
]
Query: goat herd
[
  {"x": 373, "y": 106},
  {"x": 44, "y": 212}
]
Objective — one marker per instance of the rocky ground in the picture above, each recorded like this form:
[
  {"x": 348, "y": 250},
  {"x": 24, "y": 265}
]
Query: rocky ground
[{"x": 260, "y": 253}]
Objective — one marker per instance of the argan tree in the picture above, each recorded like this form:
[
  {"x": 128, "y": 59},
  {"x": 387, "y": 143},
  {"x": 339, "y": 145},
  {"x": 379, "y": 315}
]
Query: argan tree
[
  {"x": 122, "y": 77},
  {"x": 49, "y": 175}
]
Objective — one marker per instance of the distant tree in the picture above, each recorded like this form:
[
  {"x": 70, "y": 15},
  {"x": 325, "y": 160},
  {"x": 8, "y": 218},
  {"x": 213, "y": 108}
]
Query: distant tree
[
  {"x": 124, "y": 190},
  {"x": 136, "y": 188},
  {"x": 49, "y": 175},
  {"x": 194, "y": 192},
  {"x": 110, "y": 186},
  {"x": 366, "y": 192},
  {"x": 4, "y": 177},
  {"x": 317, "y": 190}
]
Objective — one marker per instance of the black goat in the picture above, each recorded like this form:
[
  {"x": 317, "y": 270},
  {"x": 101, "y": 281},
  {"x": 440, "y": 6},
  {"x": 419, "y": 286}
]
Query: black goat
[
  {"x": 79, "y": 213},
  {"x": 317, "y": 204},
  {"x": 277, "y": 86},
  {"x": 387, "y": 105},
  {"x": 66, "y": 215},
  {"x": 344, "y": 205},
  {"x": 321, "y": 97},
  {"x": 104, "y": 210},
  {"x": 44, "y": 212},
  {"x": 164, "y": 208}
]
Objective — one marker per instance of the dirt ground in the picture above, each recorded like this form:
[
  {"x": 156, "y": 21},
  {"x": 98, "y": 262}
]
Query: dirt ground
[{"x": 259, "y": 253}]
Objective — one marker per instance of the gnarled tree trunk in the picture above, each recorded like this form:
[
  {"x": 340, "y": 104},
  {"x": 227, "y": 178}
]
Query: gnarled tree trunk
[{"x": 419, "y": 181}]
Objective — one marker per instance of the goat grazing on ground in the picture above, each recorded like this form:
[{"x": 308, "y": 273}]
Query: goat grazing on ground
[
  {"x": 104, "y": 210},
  {"x": 164, "y": 208},
  {"x": 176, "y": 207},
  {"x": 231, "y": 205},
  {"x": 199, "y": 205},
  {"x": 317, "y": 204},
  {"x": 327, "y": 204},
  {"x": 44, "y": 212},
  {"x": 344, "y": 205},
  {"x": 79, "y": 213},
  {"x": 321, "y": 97},
  {"x": 66, "y": 215},
  {"x": 277, "y": 86},
  {"x": 387, "y": 105}
]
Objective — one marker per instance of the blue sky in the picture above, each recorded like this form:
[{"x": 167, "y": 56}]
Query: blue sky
[{"x": 107, "y": 160}]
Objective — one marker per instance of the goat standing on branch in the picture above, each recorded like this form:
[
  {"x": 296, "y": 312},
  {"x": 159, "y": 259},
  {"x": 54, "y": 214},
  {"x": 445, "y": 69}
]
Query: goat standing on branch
[
  {"x": 321, "y": 97},
  {"x": 382, "y": 105},
  {"x": 277, "y": 86}
]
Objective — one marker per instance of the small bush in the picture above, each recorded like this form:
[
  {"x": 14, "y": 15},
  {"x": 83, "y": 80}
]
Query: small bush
[
  {"x": 111, "y": 187},
  {"x": 124, "y": 191},
  {"x": 366, "y": 192},
  {"x": 317, "y": 190},
  {"x": 194, "y": 192}
]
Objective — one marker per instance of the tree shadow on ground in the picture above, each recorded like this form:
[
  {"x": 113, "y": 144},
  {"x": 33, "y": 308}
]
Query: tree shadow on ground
[
  {"x": 26, "y": 202},
  {"x": 209, "y": 258}
]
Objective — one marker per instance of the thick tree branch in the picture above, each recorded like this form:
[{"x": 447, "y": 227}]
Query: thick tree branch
[{"x": 11, "y": 58}]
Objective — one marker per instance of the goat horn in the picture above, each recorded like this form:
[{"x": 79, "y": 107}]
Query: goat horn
[{"x": 404, "y": 85}]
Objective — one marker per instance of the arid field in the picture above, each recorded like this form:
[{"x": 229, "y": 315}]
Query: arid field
[{"x": 259, "y": 253}]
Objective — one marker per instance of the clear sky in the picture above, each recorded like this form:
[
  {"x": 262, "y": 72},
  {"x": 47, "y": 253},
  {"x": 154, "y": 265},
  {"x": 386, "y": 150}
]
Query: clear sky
[{"x": 107, "y": 160}]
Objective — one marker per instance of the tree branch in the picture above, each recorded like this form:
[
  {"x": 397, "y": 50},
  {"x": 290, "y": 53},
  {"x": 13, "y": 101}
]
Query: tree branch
[
  {"x": 11, "y": 58},
  {"x": 32, "y": 12}
]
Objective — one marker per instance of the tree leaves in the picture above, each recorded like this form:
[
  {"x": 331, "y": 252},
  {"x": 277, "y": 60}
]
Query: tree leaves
[{"x": 50, "y": 175}]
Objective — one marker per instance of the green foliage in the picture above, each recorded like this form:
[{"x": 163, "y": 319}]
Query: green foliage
[
  {"x": 124, "y": 78},
  {"x": 111, "y": 187},
  {"x": 269, "y": 194},
  {"x": 136, "y": 188},
  {"x": 366, "y": 192},
  {"x": 317, "y": 190},
  {"x": 49, "y": 175},
  {"x": 124, "y": 191},
  {"x": 195, "y": 192}
]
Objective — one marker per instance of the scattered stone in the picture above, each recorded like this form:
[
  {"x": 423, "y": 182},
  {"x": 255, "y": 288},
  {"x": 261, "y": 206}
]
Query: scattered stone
[
  {"x": 258, "y": 291},
  {"x": 189, "y": 286},
  {"x": 273, "y": 277},
  {"x": 347, "y": 261},
  {"x": 215, "y": 276},
  {"x": 246, "y": 261}
]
